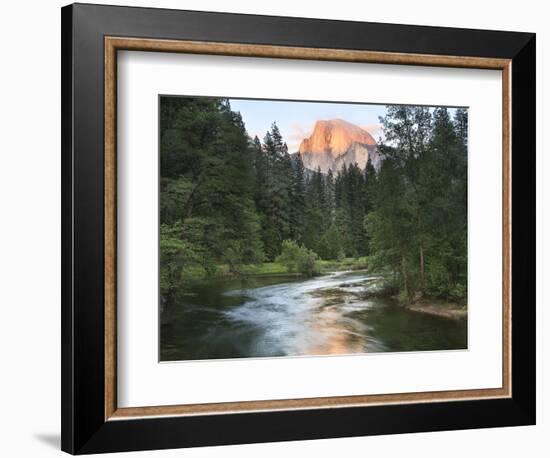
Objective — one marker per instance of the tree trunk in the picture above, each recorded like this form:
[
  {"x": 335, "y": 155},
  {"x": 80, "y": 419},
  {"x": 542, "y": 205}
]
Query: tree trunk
[
  {"x": 405, "y": 276},
  {"x": 422, "y": 280}
]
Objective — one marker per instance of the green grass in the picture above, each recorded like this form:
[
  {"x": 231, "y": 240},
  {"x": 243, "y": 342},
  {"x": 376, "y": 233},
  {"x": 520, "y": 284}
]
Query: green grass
[
  {"x": 222, "y": 270},
  {"x": 266, "y": 268},
  {"x": 274, "y": 268},
  {"x": 344, "y": 264}
]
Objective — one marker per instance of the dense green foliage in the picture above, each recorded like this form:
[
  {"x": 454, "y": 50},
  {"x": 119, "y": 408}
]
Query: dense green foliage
[
  {"x": 417, "y": 226},
  {"x": 229, "y": 200},
  {"x": 297, "y": 258},
  {"x": 207, "y": 209}
]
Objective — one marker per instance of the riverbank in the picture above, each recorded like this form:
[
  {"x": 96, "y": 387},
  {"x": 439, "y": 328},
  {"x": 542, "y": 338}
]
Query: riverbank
[
  {"x": 430, "y": 306},
  {"x": 272, "y": 269},
  {"x": 371, "y": 288},
  {"x": 438, "y": 308}
]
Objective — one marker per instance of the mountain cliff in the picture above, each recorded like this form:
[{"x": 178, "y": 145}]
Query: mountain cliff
[{"x": 336, "y": 142}]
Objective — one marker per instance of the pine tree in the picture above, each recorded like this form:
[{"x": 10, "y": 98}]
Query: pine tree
[
  {"x": 297, "y": 200},
  {"x": 444, "y": 188},
  {"x": 396, "y": 232},
  {"x": 356, "y": 204},
  {"x": 276, "y": 219},
  {"x": 329, "y": 195},
  {"x": 315, "y": 205},
  {"x": 461, "y": 127},
  {"x": 208, "y": 213},
  {"x": 416, "y": 208}
]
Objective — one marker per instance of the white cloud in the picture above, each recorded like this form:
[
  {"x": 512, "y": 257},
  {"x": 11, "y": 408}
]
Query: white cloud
[
  {"x": 375, "y": 130},
  {"x": 297, "y": 133}
]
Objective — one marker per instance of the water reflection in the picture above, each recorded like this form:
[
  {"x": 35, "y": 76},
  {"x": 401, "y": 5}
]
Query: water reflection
[{"x": 289, "y": 316}]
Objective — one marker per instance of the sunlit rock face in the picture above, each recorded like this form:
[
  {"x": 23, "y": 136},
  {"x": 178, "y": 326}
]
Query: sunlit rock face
[{"x": 336, "y": 142}]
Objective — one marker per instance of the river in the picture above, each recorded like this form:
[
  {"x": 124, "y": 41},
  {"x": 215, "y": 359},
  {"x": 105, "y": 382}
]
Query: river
[{"x": 290, "y": 316}]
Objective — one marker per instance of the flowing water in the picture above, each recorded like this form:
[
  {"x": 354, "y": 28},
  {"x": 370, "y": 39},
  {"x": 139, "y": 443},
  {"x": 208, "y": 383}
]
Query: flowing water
[{"x": 290, "y": 316}]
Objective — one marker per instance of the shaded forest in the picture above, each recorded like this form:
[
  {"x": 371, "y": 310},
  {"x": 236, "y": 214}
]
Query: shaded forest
[{"x": 233, "y": 201}]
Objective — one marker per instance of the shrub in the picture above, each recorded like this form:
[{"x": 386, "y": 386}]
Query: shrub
[{"x": 297, "y": 258}]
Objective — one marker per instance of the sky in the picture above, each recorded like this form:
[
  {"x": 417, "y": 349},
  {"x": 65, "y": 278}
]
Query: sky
[{"x": 297, "y": 119}]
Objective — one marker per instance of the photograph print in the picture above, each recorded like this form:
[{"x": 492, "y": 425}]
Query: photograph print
[{"x": 301, "y": 228}]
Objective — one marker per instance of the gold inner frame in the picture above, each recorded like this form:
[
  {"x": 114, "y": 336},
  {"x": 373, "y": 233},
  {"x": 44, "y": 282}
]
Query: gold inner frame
[{"x": 114, "y": 44}]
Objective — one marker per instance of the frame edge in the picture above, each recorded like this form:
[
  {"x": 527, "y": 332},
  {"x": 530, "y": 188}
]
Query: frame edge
[
  {"x": 119, "y": 435},
  {"x": 67, "y": 382}
]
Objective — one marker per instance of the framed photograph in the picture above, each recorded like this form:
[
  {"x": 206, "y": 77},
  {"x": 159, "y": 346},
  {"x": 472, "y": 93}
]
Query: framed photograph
[{"x": 283, "y": 228}]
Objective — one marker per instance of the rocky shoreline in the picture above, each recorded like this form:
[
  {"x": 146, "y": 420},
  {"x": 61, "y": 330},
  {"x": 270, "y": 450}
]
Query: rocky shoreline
[
  {"x": 444, "y": 310},
  {"x": 375, "y": 288},
  {"x": 436, "y": 307}
]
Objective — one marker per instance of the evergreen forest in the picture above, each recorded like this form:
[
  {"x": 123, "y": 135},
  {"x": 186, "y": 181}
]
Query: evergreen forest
[{"x": 232, "y": 205}]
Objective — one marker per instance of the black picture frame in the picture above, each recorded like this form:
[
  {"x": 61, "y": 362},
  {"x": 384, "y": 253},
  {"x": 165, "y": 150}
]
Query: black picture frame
[{"x": 84, "y": 428}]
